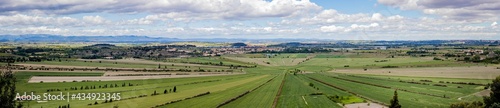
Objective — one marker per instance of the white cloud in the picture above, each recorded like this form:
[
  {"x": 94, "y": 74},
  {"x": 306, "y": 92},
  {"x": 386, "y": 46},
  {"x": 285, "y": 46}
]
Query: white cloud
[
  {"x": 468, "y": 10},
  {"x": 252, "y": 18},
  {"x": 402, "y": 4},
  {"x": 377, "y": 17},
  {"x": 97, "y": 20},
  {"x": 332, "y": 28},
  {"x": 180, "y": 9},
  {"x": 353, "y": 27},
  {"x": 21, "y": 19},
  {"x": 333, "y": 16},
  {"x": 37, "y": 30},
  {"x": 28, "y": 20}
]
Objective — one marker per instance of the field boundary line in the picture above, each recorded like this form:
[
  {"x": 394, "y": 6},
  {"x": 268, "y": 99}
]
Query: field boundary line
[
  {"x": 245, "y": 93},
  {"x": 275, "y": 103},
  {"x": 387, "y": 87},
  {"x": 304, "y": 100},
  {"x": 350, "y": 92}
]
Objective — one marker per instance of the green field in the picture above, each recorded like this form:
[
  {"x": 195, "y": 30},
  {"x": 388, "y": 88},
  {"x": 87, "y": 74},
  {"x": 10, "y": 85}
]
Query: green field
[
  {"x": 209, "y": 61},
  {"x": 120, "y": 64},
  {"x": 312, "y": 86}
]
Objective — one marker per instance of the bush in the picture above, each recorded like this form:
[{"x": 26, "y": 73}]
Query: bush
[
  {"x": 390, "y": 66},
  {"x": 475, "y": 104},
  {"x": 442, "y": 85},
  {"x": 316, "y": 93}
]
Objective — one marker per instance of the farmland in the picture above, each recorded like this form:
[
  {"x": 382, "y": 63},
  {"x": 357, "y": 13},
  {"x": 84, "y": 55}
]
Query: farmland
[{"x": 283, "y": 80}]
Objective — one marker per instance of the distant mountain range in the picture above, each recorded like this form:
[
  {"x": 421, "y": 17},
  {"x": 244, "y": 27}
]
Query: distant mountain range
[
  {"x": 127, "y": 39},
  {"x": 147, "y": 39},
  {"x": 58, "y": 38}
]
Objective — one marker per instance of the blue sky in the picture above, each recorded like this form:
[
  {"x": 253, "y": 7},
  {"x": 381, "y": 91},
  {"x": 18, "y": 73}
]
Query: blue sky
[{"x": 320, "y": 19}]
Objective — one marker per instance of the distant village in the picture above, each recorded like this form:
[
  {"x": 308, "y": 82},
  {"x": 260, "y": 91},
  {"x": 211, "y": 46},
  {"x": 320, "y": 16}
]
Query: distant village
[{"x": 463, "y": 49}]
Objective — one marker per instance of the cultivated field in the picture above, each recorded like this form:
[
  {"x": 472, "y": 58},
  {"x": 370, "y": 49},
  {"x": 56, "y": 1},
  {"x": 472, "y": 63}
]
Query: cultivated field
[
  {"x": 473, "y": 72},
  {"x": 332, "y": 80},
  {"x": 119, "y": 76}
]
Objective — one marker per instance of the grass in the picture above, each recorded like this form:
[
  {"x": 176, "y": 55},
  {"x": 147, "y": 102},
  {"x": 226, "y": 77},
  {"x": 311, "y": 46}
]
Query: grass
[
  {"x": 260, "y": 98},
  {"x": 450, "y": 91},
  {"x": 327, "y": 64},
  {"x": 212, "y": 60},
  {"x": 194, "y": 90},
  {"x": 296, "y": 93},
  {"x": 108, "y": 64},
  {"x": 220, "y": 96},
  {"x": 140, "y": 87},
  {"x": 384, "y": 95},
  {"x": 274, "y": 59}
]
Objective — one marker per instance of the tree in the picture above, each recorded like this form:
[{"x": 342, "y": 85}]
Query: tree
[
  {"x": 494, "y": 98},
  {"x": 395, "y": 101},
  {"x": 159, "y": 66},
  {"x": 165, "y": 92},
  {"x": 476, "y": 58},
  {"x": 475, "y": 104},
  {"x": 8, "y": 90},
  {"x": 175, "y": 88}
]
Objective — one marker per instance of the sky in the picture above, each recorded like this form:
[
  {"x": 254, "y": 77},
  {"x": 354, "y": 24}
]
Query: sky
[{"x": 256, "y": 19}]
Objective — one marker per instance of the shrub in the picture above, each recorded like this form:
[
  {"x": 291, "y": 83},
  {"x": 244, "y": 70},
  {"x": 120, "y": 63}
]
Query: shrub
[
  {"x": 475, "y": 104},
  {"x": 390, "y": 66},
  {"x": 319, "y": 93}
]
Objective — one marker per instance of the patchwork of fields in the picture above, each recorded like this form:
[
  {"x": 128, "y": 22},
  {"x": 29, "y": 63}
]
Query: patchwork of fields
[{"x": 260, "y": 81}]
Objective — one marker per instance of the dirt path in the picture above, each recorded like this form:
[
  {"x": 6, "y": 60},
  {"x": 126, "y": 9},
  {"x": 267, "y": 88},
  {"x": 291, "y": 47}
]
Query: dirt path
[
  {"x": 479, "y": 93},
  {"x": 36, "y": 79},
  {"x": 63, "y": 66},
  {"x": 364, "y": 105},
  {"x": 475, "y": 72}
]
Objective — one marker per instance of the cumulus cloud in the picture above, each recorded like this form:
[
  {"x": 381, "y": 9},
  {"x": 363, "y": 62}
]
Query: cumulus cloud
[
  {"x": 31, "y": 20},
  {"x": 21, "y": 19},
  {"x": 333, "y": 16},
  {"x": 332, "y": 28},
  {"x": 210, "y": 9},
  {"x": 253, "y": 18},
  {"x": 36, "y": 30},
  {"x": 353, "y": 27},
  {"x": 469, "y": 10},
  {"x": 95, "y": 20}
]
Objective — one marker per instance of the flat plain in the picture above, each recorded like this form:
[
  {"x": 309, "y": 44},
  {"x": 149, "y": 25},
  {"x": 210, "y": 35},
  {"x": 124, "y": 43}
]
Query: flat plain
[{"x": 276, "y": 80}]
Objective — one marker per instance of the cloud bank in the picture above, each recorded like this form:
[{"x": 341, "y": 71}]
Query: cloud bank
[{"x": 440, "y": 19}]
